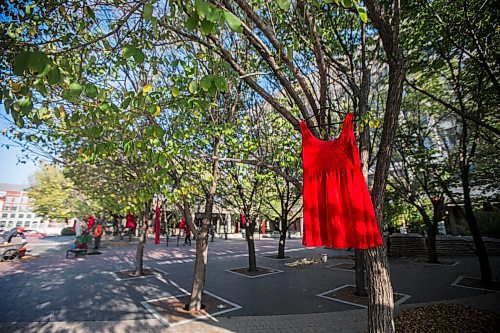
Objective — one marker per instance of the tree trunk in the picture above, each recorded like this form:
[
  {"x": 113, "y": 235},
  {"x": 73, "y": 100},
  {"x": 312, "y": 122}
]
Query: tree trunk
[
  {"x": 364, "y": 149},
  {"x": 380, "y": 297},
  {"x": 281, "y": 245},
  {"x": 249, "y": 231},
  {"x": 380, "y": 294},
  {"x": 360, "y": 273},
  {"x": 200, "y": 265},
  {"x": 283, "y": 231},
  {"x": 142, "y": 243},
  {"x": 430, "y": 242},
  {"x": 482, "y": 254},
  {"x": 200, "y": 268}
]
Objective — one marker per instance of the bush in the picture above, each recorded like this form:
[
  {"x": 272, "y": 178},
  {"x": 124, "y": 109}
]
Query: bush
[
  {"x": 489, "y": 223},
  {"x": 67, "y": 232}
]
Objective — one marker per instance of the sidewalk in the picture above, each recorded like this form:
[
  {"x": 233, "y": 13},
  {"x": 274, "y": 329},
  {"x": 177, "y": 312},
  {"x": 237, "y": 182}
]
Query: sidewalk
[{"x": 53, "y": 294}]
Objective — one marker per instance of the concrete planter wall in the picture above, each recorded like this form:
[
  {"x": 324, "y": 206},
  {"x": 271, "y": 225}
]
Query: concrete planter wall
[{"x": 412, "y": 245}]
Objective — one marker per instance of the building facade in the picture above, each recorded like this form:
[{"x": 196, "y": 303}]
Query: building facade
[{"x": 15, "y": 210}]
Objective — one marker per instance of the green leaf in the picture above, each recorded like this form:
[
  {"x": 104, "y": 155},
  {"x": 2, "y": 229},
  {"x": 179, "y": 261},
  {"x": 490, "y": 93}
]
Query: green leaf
[
  {"x": 192, "y": 21},
  {"x": 206, "y": 82},
  {"x": 75, "y": 88},
  {"x": 192, "y": 87},
  {"x": 126, "y": 102},
  {"x": 54, "y": 75},
  {"x": 362, "y": 14},
  {"x": 206, "y": 27},
  {"x": 346, "y": 3},
  {"x": 139, "y": 57},
  {"x": 91, "y": 90},
  {"x": 148, "y": 11},
  {"x": 20, "y": 62},
  {"x": 175, "y": 92},
  {"x": 20, "y": 122},
  {"x": 284, "y": 4},
  {"x": 38, "y": 61},
  {"x": 233, "y": 22},
  {"x": 129, "y": 51},
  {"x": 202, "y": 8},
  {"x": 89, "y": 12},
  {"x": 25, "y": 105},
  {"x": 220, "y": 83},
  {"x": 43, "y": 113}
]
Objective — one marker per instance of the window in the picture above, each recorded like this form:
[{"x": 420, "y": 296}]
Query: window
[
  {"x": 18, "y": 223},
  {"x": 21, "y": 216},
  {"x": 25, "y": 200},
  {"x": 6, "y": 207},
  {"x": 17, "y": 199},
  {"x": 12, "y": 216},
  {"x": 2, "y": 224},
  {"x": 13, "y": 208},
  {"x": 9, "y": 199},
  {"x": 10, "y": 224},
  {"x": 35, "y": 224},
  {"x": 27, "y": 223},
  {"x": 4, "y": 215},
  {"x": 28, "y": 216}
]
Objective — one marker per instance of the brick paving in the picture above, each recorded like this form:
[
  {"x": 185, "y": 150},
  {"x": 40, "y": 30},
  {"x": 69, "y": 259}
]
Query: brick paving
[{"x": 54, "y": 294}]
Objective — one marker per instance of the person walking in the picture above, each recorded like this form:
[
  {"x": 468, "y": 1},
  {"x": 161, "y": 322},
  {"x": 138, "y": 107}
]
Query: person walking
[
  {"x": 187, "y": 240},
  {"x": 212, "y": 233}
]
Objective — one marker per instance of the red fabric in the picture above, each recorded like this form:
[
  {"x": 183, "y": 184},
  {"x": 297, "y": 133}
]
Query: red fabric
[
  {"x": 263, "y": 227},
  {"x": 90, "y": 222},
  {"x": 130, "y": 221},
  {"x": 157, "y": 225},
  {"x": 243, "y": 220},
  {"x": 338, "y": 211},
  {"x": 188, "y": 231},
  {"x": 182, "y": 225}
]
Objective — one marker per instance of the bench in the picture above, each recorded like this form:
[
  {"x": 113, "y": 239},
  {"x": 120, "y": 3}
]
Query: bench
[{"x": 77, "y": 252}]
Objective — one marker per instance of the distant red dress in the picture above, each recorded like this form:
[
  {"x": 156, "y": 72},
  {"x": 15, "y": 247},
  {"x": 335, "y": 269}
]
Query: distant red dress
[{"x": 338, "y": 211}]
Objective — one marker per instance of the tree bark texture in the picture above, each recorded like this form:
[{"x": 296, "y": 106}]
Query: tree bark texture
[
  {"x": 142, "y": 243},
  {"x": 364, "y": 148},
  {"x": 482, "y": 254},
  {"x": 200, "y": 265},
  {"x": 281, "y": 245},
  {"x": 283, "y": 231},
  {"x": 430, "y": 242},
  {"x": 249, "y": 231},
  {"x": 380, "y": 294}
]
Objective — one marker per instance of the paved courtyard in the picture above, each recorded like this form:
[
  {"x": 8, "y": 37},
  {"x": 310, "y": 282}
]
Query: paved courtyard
[{"x": 52, "y": 294}]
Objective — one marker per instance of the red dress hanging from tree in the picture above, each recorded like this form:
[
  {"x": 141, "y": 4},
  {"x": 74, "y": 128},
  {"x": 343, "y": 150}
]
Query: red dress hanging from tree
[{"x": 338, "y": 211}]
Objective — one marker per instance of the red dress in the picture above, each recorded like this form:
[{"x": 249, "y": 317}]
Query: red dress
[{"x": 338, "y": 211}]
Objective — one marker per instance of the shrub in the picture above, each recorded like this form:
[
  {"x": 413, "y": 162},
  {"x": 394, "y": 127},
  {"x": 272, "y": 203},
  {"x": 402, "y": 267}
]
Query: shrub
[{"x": 67, "y": 232}]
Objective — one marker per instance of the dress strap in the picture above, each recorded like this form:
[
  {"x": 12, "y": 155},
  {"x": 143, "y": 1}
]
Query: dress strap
[
  {"x": 303, "y": 128},
  {"x": 347, "y": 127}
]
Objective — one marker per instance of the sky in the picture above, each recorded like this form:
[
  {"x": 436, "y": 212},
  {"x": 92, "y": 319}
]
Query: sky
[{"x": 10, "y": 170}]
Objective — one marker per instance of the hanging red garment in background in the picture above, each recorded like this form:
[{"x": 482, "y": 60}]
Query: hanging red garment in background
[
  {"x": 338, "y": 211},
  {"x": 90, "y": 223},
  {"x": 130, "y": 221},
  {"x": 157, "y": 225}
]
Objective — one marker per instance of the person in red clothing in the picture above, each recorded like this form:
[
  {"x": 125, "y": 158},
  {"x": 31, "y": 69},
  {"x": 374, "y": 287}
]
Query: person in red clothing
[
  {"x": 187, "y": 240},
  {"x": 130, "y": 226}
]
